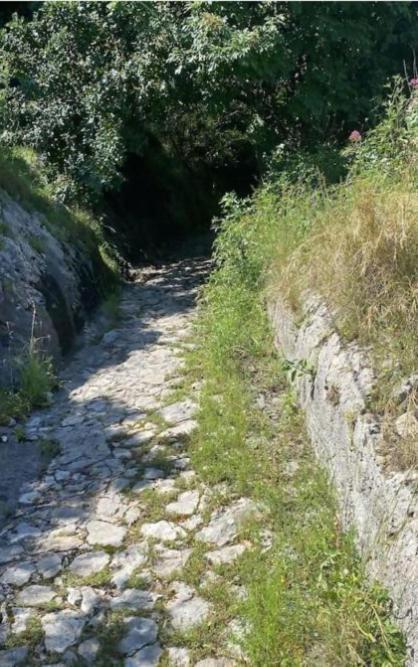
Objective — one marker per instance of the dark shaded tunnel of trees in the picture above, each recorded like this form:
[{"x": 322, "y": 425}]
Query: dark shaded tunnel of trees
[{"x": 162, "y": 200}]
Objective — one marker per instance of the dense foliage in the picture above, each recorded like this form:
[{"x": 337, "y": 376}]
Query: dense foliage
[{"x": 208, "y": 84}]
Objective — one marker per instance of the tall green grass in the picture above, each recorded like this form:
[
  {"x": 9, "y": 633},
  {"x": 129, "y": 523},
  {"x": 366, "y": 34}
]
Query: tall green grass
[
  {"x": 309, "y": 602},
  {"x": 37, "y": 380}
]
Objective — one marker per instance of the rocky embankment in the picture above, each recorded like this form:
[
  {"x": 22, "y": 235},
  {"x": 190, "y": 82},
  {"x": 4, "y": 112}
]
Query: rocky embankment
[
  {"x": 333, "y": 382},
  {"x": 47, "y": 286},
  {"x": 51, "y": 275}
]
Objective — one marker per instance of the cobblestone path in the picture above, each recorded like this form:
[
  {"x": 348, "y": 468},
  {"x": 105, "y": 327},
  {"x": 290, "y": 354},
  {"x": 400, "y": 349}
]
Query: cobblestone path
[{"x": 91, "y": 563}]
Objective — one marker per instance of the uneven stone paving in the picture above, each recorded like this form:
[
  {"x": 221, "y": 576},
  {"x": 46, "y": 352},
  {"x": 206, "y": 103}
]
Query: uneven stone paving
[{"x": 85, "y": 548}]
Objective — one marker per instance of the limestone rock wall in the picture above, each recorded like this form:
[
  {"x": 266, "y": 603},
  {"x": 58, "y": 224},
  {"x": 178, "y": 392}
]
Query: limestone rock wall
[
  {"x": 42, "y": 280},
  {"x": 333, "y": 381}
]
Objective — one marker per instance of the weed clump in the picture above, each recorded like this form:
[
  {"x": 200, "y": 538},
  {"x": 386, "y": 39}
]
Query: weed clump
[
  {"x": 36, "y": 380},
  {"x": 12, "y": 406}
]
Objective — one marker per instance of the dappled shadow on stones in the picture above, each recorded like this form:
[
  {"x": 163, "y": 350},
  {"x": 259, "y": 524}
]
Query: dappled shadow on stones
[
  {"x": 160, "y": 293},
  {"x": 102, "y": 387},
  {"x": 102, "y": 418}
]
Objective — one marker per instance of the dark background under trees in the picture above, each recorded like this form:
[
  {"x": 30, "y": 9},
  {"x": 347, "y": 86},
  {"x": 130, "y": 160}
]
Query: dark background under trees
[{"x": 151, "y": 111}]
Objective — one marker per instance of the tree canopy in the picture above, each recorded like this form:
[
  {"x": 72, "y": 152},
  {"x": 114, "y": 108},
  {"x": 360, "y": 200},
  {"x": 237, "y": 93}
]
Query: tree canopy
[{"x": 85, "y": 83}]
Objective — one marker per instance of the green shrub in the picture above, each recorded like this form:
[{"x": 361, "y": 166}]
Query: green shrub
[
  {"x": 213, "y": 83},
  {"x": 36, "y": 379},
  {"x": 12, "y": 406},
  {"x": 49, "y": 448}
]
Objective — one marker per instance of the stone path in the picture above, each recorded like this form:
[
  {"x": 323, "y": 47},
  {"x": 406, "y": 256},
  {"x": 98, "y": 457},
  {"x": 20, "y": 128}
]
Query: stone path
[{"x": 91, "y": 564}]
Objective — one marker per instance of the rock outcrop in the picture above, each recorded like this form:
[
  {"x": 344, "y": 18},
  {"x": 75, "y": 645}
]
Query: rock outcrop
[
  {"x": 333, "y": 382},
  {"x": 46, "y": 285}
]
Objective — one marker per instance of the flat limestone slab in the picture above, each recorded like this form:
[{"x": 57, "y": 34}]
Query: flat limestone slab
[
  {"x": 18, "y": 574},
  {"x": 225, "y": 523},
  {"x": 89, "y": 563},
  {"x": 133, "y": 599},
  {"x": 169, "y": 561},
  {"x": 185, "y": 505},
  {"x": 139, "y": 633},
  {"x": 149, "y": 656},
  {"x": 13, "y": 656},
  {"x": 35, "y": 596},
  {"x": 62, "y": 629},
  {"x": 178, "y": 412},
  {"x": 186, "y": 609},
  {"x": 163, "y": 530},
  {"x": 105, "y": 534},
  {"x": 226, "y": 554}
]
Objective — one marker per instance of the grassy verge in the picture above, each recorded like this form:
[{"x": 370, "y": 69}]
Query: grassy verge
[{"x": 307, "y": 601}]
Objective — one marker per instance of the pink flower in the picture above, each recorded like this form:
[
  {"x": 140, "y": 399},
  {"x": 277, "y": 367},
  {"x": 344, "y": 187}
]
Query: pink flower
[
  {"x": 413, "y": 83},
  {"x": 355, "y": 136}
]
